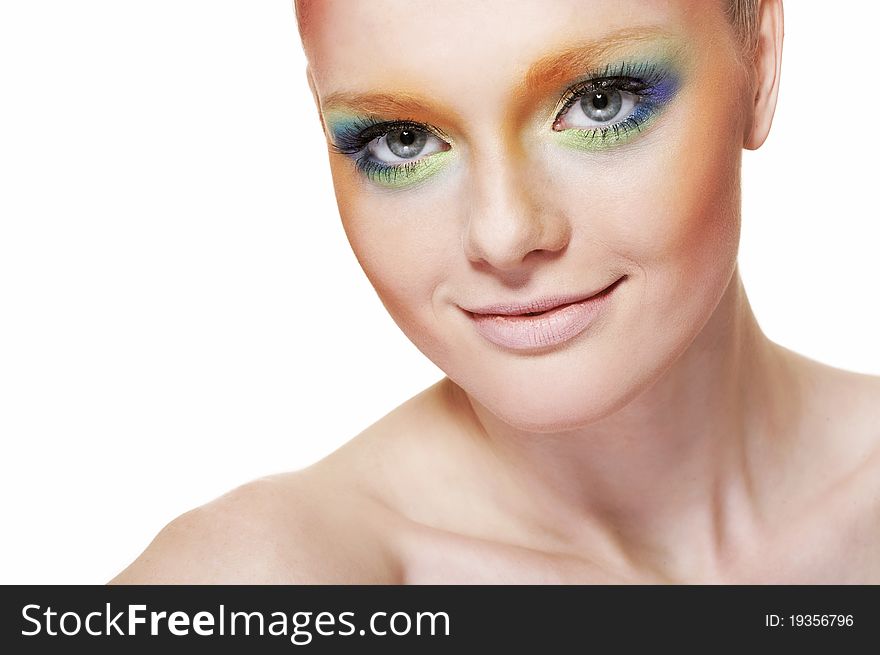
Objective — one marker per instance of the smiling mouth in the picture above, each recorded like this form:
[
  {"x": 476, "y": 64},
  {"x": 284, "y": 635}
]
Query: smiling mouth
[
  {"x": 539, "y": 325},
  {"x": 541, "y": 306}
]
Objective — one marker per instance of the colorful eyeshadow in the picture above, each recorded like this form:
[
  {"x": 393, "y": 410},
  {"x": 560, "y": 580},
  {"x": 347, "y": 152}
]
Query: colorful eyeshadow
[
  {"x": 352, "y": 135},
  {"x": 653, "y": 84}
]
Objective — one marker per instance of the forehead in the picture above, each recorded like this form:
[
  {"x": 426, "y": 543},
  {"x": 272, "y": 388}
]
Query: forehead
[{"x": 460, "y": 47}]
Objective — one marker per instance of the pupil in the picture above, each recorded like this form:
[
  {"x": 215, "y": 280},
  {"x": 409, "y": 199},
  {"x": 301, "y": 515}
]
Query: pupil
[
  {"x": 406, "y": 142},
  {"x": 600, "y": 100}
]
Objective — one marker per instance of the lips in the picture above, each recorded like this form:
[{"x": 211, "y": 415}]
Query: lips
[
  {"x": 542, "y": 322},
  {"x": 538, "y": 306}
]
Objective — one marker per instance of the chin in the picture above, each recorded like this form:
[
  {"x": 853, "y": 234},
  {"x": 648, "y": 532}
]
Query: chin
[{"x": 529, "y": 406}]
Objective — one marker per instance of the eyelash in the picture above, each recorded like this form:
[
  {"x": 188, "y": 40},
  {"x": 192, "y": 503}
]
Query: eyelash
[
  {"x": 354, "y": 138},
  {"x": 645, "y": 81}
]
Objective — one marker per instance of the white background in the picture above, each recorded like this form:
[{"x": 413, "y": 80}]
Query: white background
[{"x": 177, "y": 295}]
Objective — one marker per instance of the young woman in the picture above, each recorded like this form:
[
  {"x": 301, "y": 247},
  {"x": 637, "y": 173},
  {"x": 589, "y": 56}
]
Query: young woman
[{"x": 546, "y": 197}]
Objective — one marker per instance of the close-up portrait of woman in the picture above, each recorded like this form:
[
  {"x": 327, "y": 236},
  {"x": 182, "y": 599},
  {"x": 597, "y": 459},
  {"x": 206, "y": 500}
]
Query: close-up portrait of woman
[{"x": 547, "y": 200}]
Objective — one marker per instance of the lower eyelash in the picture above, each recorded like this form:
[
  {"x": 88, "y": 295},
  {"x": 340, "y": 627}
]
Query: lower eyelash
[
  {"x": 404, "y": 174},
  {"x": 642, "y": 112},
  {"x": 385, "y": 173}
]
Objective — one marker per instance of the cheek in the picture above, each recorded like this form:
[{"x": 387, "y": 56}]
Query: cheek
[
  {"x": 397, "y": 240},
  {"x": 693, "y": 226},
  {"x": 669, "y": 206}
]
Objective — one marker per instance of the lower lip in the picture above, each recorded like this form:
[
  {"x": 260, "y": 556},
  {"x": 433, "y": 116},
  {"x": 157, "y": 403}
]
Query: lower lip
[{"x": 551, "y": 328}]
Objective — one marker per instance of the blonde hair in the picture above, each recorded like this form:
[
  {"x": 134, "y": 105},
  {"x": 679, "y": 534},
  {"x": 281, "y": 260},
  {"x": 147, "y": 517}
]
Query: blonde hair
[{"x": 743, "y": 16}]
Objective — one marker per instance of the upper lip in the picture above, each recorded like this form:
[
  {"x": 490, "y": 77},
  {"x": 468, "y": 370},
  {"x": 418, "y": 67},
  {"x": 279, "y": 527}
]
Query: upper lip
[{"x": 541, "y": 304}]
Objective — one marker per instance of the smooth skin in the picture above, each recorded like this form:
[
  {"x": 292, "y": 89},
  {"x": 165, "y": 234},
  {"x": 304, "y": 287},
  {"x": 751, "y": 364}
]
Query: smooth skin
[{"x": 672, "y": 442}]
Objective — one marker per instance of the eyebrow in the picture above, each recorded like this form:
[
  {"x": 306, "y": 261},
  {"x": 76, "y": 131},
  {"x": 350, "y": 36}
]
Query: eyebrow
[
  {"x": 558, "y": 68},
  {"x": 550, "y": 70},
  {"x": 379, "y": 103}
]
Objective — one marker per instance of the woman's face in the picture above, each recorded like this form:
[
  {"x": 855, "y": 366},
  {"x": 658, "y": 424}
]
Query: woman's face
[{"x": 502, "y": 152}]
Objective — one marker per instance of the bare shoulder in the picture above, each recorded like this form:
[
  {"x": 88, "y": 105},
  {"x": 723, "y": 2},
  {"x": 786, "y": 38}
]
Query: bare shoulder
[
  {"x": 845, "y": 407},
  {"x": 846, "y": 403},
  {"x": 861, "y": 534},
  {"x": 294, "y": 528},
  {"x": 338, "y": 521}
]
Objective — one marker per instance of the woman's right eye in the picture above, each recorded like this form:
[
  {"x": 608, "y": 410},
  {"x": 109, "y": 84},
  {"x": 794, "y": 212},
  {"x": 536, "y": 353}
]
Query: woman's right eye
[
  {"x": 394, "y": 153},
  {"x": 405, "y": 144}
]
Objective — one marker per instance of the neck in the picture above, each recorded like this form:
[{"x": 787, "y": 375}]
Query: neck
[{"x": 679, "y": 479}]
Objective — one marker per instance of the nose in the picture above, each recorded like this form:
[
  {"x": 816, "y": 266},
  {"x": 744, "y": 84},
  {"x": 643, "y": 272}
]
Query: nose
[{"x": 511, "y": 219}]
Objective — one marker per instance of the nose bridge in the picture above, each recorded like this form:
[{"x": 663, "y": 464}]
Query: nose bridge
[{"x": 509, "y": 215}]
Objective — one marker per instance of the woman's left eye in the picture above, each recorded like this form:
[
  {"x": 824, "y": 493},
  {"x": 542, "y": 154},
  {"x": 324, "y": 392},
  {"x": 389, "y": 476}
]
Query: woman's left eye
[
  {"x": 405, "y": 144},
  {"x": 597, "y": 108}
]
